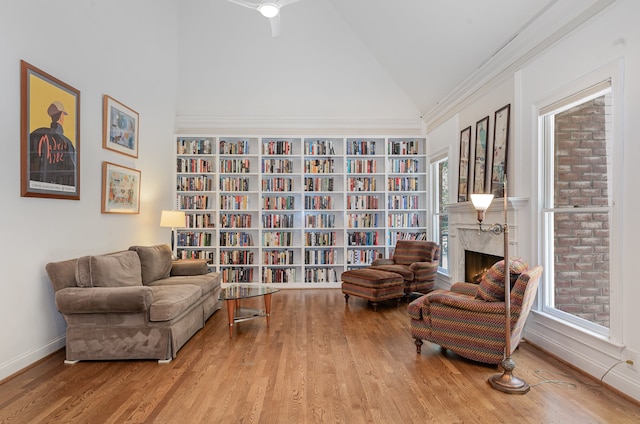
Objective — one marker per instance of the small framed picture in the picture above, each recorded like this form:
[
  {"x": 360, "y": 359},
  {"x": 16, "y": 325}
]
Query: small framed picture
[
  {"x": 463, "y": 170},
  {"x": 120, "y": 189},
  {"x": 500, "y": 150},
  {"x": 480, "y": 162},
  {"x": 50, "y": 136},
  {"x": 119, "y": 127}
]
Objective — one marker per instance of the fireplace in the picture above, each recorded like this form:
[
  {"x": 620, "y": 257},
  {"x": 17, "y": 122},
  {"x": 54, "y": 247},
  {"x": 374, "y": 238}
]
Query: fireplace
[
  {"x": 464, "y": 236},
  {"x": 476, "y": 265}
]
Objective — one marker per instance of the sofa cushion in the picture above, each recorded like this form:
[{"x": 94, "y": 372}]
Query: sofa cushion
[
  {"x": 121, "y": 269},
  {"x": 155, "y": 261},
  {"x": 207, "y": 282},
  {"x": 407, "y": 274},
  {"x": 491, "y": 287},
  {"x": 171, "y": 301}
]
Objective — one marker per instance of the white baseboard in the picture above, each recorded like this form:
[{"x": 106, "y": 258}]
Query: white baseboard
[{"x": 14, "y": 365}]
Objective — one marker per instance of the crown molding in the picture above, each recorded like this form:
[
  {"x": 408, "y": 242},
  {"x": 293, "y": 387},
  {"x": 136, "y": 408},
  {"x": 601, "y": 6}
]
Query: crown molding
[
  {"x": 242, "y": 125},
  {"x": 555, "y": 21}
]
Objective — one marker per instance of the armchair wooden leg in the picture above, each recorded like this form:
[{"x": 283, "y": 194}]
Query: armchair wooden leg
[
  {"x": 346, "y": 298},
  {"x": 418, "y": 343}
]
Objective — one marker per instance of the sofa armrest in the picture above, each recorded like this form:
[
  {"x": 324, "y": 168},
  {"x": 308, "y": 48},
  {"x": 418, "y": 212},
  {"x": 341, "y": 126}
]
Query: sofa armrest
[
  {"x": 187, "y": 267},
  {"x": 469, "y": 289},
  {"x": 382, "y": 261},
  {"x": 89, "y": 300}
]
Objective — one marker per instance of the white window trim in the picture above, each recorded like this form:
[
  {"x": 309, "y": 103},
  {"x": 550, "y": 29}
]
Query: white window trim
[
  {"x": 434, "y": 158},
  {"x": 614, "y": 72}
]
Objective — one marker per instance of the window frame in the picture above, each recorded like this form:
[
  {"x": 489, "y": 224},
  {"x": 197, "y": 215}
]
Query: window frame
[{"x": 434, "y": 200}]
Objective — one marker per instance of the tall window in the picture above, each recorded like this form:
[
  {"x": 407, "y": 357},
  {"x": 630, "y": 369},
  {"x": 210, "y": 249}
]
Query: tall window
[
  {"x": 577, "y": 207},
  {"x": 440, "y": 199}
]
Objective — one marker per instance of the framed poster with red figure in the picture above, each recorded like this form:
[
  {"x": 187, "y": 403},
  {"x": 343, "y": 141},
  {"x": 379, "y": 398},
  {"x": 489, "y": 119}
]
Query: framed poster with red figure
[{"x": 50, "y": 136}]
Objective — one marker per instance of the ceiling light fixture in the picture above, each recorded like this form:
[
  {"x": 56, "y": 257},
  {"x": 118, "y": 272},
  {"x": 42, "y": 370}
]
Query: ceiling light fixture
[{"x": 269, "y": 10}]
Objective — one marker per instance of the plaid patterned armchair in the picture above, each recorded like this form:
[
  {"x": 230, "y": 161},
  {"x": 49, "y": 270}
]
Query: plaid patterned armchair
[
  {"x": 469, "y": 319},
  {"x": 417, "y": 261}
]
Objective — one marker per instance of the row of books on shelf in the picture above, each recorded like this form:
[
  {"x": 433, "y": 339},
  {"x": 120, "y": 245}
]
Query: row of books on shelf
[
  {"x": 239, "y": 202},
  {"x": 194, "y": 238},
  {"x": 278, "y": 275},
  {"x": 319, "y": 147},
  {"x": 277, "y": 166},
  {"x": 317, "y": 203},
  {"x": 361, "y": 147},
  {"x": 320, "y": 239},
  {"x": 234, "y": 184},
  {"x": 403, "y": 147},
  {"x": 235, "y": 166},
  {"x": 277, "y": 220},
  {"x": 276, "y": 184},
  {"x": 236, "y": 275},
  {"x": 362, "y": 256},
  {"x": 199, "y": 220},
  {"x": 277, "y": 257},
  {"x": 362, "y": 166},
  {"x": 403, "y": 166},
  {"x": 195, "y": 254},
  {"x": 320, "y": 257},
  {"x": 320, "y": 275},
  {"x": 318, "y": 166},
  {"x": 394, "y": 236},
  {"x": 403, "y": 184},
  {"x": 407, "y": 219},
  {"x": 362, "y": 220},
  {"x": 194, "y": 146},
  {"x": 318, "y": 184},
  {"x": 230, "y": 220},
  {"x": 362, "y": 201},
  {"x": 321, "y": 220},
  {"x": 194, "y": 165},
  {"x": 277, "y": 238},
  {"x": 363, "y": 238},
  {"x": 404, "y": 202},
  {"x": 361, "y": 184},
  {"x": 194, "y": 201},
  {"x": 238, "y": 147},
  {"x": 277, "y": 147},
  {"x": 278, "y": 203},
  {"x": 195, "y": 183},
  {"x": 238, "y": 238},
  {"x": 236, "y": 257}
]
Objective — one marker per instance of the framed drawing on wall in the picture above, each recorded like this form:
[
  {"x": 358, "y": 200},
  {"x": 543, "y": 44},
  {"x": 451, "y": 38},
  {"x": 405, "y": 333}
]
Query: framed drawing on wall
[
  {"x": 50, "y": 136},
  {"x": 119, "y": 127},
  {"x": 500, "y": 150},
  {"x": 480, "y": 161},
  {"x": 463, "y": 169},
  {"x": 120, "y": 189}
]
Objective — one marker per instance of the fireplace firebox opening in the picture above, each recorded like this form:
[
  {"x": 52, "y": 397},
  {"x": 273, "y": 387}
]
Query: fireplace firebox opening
[{"x": 476, "y": 264}]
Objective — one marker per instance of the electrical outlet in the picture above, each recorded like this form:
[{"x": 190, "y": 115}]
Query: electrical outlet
[{"x": 631, "y": 358}]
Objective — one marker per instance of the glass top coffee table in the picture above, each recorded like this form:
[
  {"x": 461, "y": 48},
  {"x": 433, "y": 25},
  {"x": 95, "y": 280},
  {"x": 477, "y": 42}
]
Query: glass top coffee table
[{"x": 233, "y": 294}]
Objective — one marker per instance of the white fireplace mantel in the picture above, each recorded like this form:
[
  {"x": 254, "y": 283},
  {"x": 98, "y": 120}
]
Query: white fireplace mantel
[{"x": 464, "y": 233}]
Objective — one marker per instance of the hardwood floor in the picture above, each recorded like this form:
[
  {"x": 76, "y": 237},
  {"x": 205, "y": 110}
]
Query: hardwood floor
[{"x": 319, "y": 362}]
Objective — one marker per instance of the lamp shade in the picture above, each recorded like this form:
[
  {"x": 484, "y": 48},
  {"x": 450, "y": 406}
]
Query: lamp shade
[
  {"x": 172, "y": 219},
  {"x": 269, "y": 10},
  {"x": 481, "y": 201}
]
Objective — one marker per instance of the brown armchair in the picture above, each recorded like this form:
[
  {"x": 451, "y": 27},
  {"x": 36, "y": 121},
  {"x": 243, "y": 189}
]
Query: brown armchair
[
  {"x": 469, "y": 319},
  {"x": 417, "y": 261}
]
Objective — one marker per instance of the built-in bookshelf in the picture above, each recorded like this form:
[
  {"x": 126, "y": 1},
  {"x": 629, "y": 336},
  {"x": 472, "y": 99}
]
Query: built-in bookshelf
[{"x": 297, "y": 211}]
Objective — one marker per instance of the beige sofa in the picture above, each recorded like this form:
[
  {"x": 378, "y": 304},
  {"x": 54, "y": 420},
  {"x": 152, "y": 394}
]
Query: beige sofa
[{"x": 133, "y": 304}]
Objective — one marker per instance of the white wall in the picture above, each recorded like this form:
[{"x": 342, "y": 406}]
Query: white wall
[
  {"x": 608, "y": 43},
  {"x": 121, "y": 48}
]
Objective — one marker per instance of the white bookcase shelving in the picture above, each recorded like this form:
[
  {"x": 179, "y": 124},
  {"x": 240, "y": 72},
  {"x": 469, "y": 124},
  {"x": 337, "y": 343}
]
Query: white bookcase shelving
[{"x": 297, "y": 211}]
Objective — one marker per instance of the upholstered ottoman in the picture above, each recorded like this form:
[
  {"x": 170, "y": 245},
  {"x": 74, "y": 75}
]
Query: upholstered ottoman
[{"x": 372, "y": 284}]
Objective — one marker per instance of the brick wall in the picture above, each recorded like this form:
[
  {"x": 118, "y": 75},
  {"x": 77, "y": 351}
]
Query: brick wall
[{"x": 582, "y": 238}]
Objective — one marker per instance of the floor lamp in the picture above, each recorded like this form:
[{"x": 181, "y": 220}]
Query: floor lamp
[
  {"x": 504, "y": 382},
  {"x": 172, "y": 219}
]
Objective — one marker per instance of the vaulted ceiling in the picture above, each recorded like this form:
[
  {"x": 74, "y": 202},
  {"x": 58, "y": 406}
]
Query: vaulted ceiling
[{"x": 432, "y": 51}]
